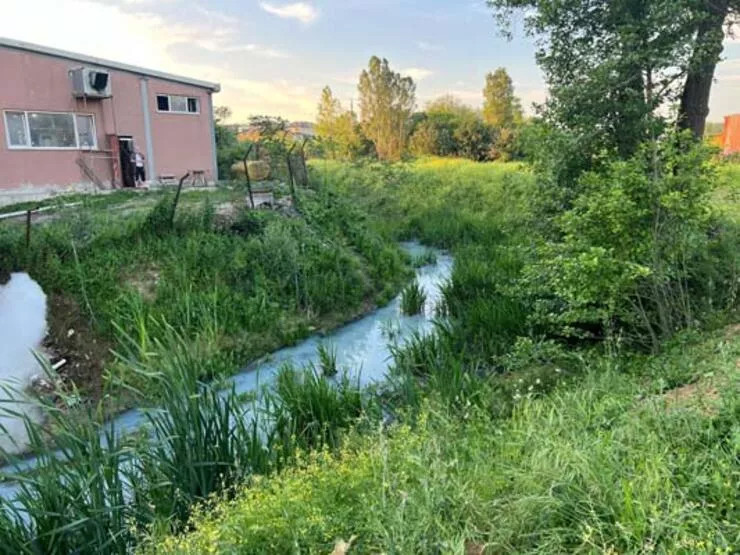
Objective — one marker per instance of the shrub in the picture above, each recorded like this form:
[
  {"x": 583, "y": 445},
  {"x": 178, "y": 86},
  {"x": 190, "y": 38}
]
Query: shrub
[{"x": 638, "y": 254}]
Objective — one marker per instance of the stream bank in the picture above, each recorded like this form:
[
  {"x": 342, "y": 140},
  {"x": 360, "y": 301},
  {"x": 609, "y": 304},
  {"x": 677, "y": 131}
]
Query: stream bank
[{"x": 362, "y": 348}]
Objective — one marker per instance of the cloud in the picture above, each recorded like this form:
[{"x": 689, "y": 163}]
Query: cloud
[
  {"x": 302, "y": 11},
  {"x": 177, "y": 43},
  {"x": 417, "y": 73},
  {"x": 428, "y": 47},
  {"x": 288, "y": 99},
  {"x": 216, "y": 16}
]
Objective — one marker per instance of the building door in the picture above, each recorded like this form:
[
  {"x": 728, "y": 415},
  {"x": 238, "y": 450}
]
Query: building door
[{"x": 126, "y": 148}]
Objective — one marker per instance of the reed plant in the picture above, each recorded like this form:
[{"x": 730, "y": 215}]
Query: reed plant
[{"x": 413, "y": 299}]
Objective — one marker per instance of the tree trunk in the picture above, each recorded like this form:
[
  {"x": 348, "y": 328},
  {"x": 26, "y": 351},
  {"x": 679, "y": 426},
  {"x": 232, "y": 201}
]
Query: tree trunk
[{"x": 694, "y": 107}]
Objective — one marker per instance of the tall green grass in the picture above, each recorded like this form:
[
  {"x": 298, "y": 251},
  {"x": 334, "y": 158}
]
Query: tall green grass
[
  {"x": 245, "y": 284},
  {"x": 608, "y": 463},
  {"x": 94, "y": 490},
  {"x": 413, "y": 299}
]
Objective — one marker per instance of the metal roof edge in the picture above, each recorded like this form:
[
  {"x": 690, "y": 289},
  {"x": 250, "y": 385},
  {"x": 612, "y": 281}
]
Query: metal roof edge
[{"x": 39, "y": 49}]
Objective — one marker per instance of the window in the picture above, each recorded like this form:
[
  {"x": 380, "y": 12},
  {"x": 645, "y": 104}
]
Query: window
[
  {"x": 163, "y": 103},
  {"x": 15, "y": 124},
  {"x": 177, "y": 104},
  {"x": 50, "y": 130},
  {"x": 85, "y": 132}
]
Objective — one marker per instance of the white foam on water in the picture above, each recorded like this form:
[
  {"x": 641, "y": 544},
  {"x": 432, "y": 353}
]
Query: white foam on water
[{"x": 22, "y": 331}]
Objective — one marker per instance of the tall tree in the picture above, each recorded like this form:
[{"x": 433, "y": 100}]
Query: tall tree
[
  {"x": 222, "y": 113},
  {"x": 712, "y": 17},
  {"x": 387, "y": 103},
  {"x": 611, "y": 64},
  {"x": 337, "y": 127},
  {"x": 501, "y": 108}
]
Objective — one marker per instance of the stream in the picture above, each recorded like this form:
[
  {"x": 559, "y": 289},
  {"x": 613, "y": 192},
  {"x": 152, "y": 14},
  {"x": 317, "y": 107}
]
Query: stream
[{"x": 362, "y": 348}]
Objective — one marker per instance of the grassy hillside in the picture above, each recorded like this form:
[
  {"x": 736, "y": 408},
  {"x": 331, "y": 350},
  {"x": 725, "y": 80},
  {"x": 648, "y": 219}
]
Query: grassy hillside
[
  {"x": 237, "y": 284},
  {"x": 614, "y": 462}
]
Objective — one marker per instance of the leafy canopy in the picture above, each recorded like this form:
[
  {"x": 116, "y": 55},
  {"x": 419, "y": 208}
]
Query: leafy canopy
[{"x": 387, "y": 102}]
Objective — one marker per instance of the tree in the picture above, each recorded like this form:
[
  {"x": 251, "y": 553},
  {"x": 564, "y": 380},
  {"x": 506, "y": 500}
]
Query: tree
[
  {"x": 387, "y": 102},
  {"x": 269, "y": 127},
  {"x": 336, "y": 127},
  {"x": 501, "y": 108},
  {"x": 711, "y": 19},
  {"x": 474, "y": 139},
  {"x": 425, "y": 139},
  {"x": 611, "y": 64},
  {"x": 228, "y": 149},
  {"x": 222, "y": 113},
  {"x": 447, "y": 113}
]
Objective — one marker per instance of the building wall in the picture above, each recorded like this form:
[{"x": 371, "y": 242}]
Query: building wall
[
  {"x": 730, "y": 142},
  {"x": 38, "y": 82},
  {"x": 182, "y": 142},
  {"x": 33, "y": 82}
]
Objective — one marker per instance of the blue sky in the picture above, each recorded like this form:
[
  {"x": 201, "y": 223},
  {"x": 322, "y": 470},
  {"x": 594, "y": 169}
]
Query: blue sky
[{"x": 275, "y": 56}]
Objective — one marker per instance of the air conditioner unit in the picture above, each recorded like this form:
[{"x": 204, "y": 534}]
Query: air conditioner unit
[{"x": 90, "y": 82}]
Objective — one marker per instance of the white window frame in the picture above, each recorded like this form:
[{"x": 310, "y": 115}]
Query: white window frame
[
  {"x": 28, "y": 145},
  {"x": 169, "y": 100}
]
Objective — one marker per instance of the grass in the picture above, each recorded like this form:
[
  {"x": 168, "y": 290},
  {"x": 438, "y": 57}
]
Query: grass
[
  {"x": 727, "y": 195},
  {"x": 328, "y": 360},
  {"x": 489, "y": 437},
  {"x": 607, "y": 463},
  {"x": 426, "y": 258},
  {"x": 239, "y": 283},
  {"x": 505, "y": 439},
  {"x": 413, "y": 299},
  {"x": 97, "y": 491}
]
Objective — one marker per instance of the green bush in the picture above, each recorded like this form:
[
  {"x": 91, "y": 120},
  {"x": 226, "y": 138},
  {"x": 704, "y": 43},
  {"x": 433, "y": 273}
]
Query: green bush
[{"x": 641, "y": 254}]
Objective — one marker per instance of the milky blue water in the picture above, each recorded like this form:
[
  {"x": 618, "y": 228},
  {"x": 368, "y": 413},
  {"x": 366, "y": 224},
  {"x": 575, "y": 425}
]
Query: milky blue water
[{"x": 362, "y": 347}]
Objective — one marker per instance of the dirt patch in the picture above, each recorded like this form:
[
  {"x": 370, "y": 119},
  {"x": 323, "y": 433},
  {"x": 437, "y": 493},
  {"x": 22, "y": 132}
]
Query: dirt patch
[
  {"x": 145, "y": 281},
  {"x": 703, "y": 395},
  {"x": 474, "y": 548},
  {"x": 72, "y": 338},
  {"x": 732, "y": 331}
]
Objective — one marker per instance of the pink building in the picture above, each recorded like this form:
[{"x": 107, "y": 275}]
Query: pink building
[{"x": 71, "y": 122}]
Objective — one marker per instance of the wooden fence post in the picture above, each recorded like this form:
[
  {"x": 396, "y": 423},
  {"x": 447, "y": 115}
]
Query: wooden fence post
[
  {"x": 246, "y": 174},
  {"x": 28, "y": 228},
  {"x": 291, "y": 181},
  {"x": 177, "y": 199}
]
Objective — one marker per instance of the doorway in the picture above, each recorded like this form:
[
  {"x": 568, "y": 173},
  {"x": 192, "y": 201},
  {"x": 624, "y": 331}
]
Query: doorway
[{"x": 126, "y": 149}]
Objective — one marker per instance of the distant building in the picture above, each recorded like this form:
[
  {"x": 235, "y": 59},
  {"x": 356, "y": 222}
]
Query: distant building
[
  {"x": 72, "y": 122},
  {"x": 237, "y": 128},
  {"x": 298, "y": 130},
  {"x": 729, "y": 139},
  {"x": 302, "y": 130}
]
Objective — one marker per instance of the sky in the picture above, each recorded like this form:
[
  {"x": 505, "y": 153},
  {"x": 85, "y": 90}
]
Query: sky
[{"x": 274, "y": 56}]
